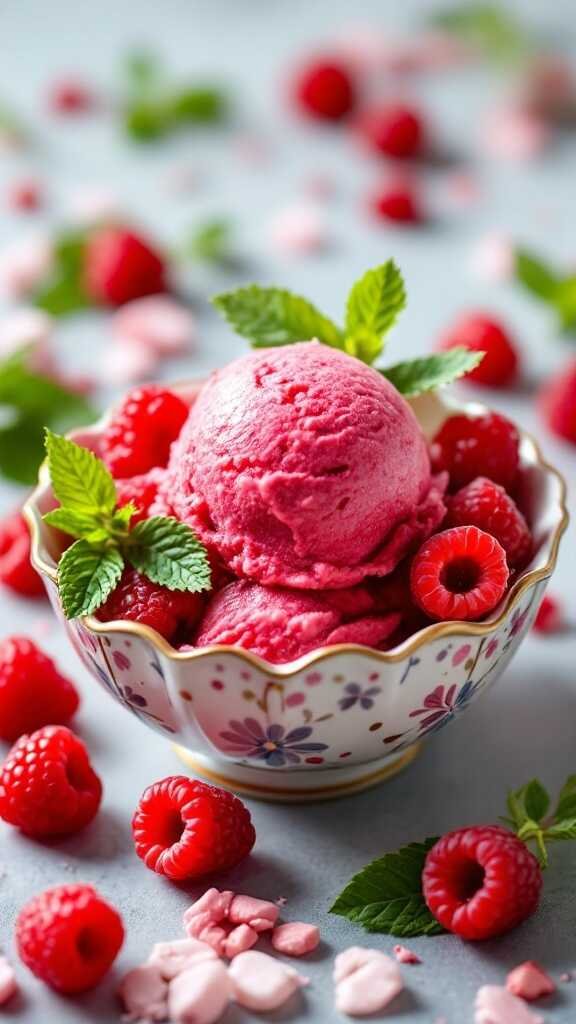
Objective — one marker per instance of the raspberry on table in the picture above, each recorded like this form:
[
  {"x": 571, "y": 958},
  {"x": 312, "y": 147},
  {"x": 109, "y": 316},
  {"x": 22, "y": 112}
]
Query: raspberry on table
[
  {"x": 185, "y": 829},
  {"x": 141, "y": 491},
  {"x": 25, "y": 196},
  {"x": 472, "y": 446},
  {"x": 70, "y": 96},
  {"x": 486, "y": 505},
  {"x": 549, "y": 617},
  {"x": 69, "y": 937},
  {"x": 481, "y": 333},
  {"x": 120, "y": 265},
  {"x": 557, "y": 403},
  {"x": 16, "y": 570},
  {"x": 33, "y": 692},
  {"x": 459, "y": 574},
  {"x": 172, "y": 613},
  {"x": 481, "y": 882},
  {"x": 398, "y": 201},
  {"x": 47, "y": 784},
  {"x": 324, "y": 89},
  {"x": 392, "y": 129},
  {"x": 141, "y": 431}
]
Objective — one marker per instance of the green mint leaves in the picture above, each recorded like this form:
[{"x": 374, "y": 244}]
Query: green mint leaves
[
  {"x": 161, "y": 548},
  {"x": 555, "y": 290},
  {"x": 154, "y": 107},
  {"x": 269, "y": 317},
  {"x": 488, "y": 28},
  {"x": 527, "y": 814},
  {"x": 63, "y": 290},
  {"x": 386, "y": 896},
  {"x": 211, "y": 242}
]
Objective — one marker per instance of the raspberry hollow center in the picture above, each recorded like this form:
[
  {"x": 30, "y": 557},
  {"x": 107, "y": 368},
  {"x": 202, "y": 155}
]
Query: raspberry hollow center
[
  {"x": 173, "y": 828},
  {"x": 461, "y": 575},
  {"x": 469, "y": 879},
  {"x": 89, "y": 944}
]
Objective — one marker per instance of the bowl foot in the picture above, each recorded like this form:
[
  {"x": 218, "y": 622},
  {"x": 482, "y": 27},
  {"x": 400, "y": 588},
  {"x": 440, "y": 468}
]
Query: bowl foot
[{"x": 296, "y": 786}]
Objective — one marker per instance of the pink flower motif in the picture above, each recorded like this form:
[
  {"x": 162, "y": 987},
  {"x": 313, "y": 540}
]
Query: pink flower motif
[
  {"x": 491, "y": 647},
  {"x": 314, "y": 678},
  {"x": 461, "y": 654},
  {"x": 216, "y": 684},
  {"x": 121, "y": 661},
  {"x": 295, "y": 699},
  {"x": 518, "y": 620}
]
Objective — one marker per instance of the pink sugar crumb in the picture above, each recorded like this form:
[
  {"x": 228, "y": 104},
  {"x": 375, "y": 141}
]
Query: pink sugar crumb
[
  {"x": 297, "y": 230},
  {"x": 405, "y": 955},
  {"x": 496, "y": 1005},
  {"x": 261, "y": 983},
  {"x": 261, "y": 915},
  {"x": 530, "y": 981},
  {"x": 8, "y": 983},
  {"x": 171, "y": 958},
  {"x": 144, "y": 994},
  {"x": 240, "y": 939},
  {"x": 295, "y": 938},
  {"x": 365, "y": 980},
  {"x": 566, "y": 976},
  {"x": 200, "y": 994}
]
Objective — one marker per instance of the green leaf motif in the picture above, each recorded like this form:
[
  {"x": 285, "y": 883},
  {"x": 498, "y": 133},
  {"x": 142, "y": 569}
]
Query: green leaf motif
[
  {"x": 273, "y": 316},
  {"x": 168, "y": 553},
  {"x": 374, "y": 304},
  {"x": 536, "y": 276},
  {"x": 86, "y": 576},
  {"x": 386, "y": 896},
  {"x": 418, "y": 375},
  {"x": 566, "y": 807},
  {"x": 79, "y": 479},
  {"x": 75, "y": 523}
]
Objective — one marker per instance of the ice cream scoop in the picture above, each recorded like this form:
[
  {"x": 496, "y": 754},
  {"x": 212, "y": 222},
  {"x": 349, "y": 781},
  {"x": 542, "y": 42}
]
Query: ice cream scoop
[{"x": 303, "y": 467}]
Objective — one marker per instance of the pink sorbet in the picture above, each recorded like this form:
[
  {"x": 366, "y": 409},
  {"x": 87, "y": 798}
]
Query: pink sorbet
[{"x": 303, "y": 467}]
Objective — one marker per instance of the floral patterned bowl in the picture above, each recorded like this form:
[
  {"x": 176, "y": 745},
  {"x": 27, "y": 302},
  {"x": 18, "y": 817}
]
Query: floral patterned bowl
[{"x": 338, "y": 719}]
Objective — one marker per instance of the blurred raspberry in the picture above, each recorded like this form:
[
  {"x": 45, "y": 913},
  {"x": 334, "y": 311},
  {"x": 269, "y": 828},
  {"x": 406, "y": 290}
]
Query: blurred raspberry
[
  {"x": 141, "y": 431},
  {"x": 399, "y": 201},
  {"x": 25, "y": 196},
  {"x": 33, "y": 692},
  {"x": 71, "y": 96},
  {"x": 557, "y": 402},
  {"x": 549, "y": 617},
  {"x": 480, "y": 333},
  {"x": 120, "y": 266},
  {"x": 16, "y": 570},
  {"x": 324, "y": 89},
  {"x": 392, "y": 129}
]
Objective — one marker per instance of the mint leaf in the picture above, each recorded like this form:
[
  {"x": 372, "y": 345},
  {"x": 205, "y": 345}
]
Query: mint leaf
[
  {"x": 374, "y": 304},
  {"x": 75, "y": 523},
  {"x": 198, "y": 105},
  {"x": 536, "y": 799},
  {"x": 168, "y": 552},
  {"x": 363, "y": 344},
  {"x": 430, "y": 372},
  {"x": 386, "y": 896},
  {"x": 63, "y": 292},
  {"x": 274, "y": 316},
  {"x": 122, "y": 516},
  {"x": 210, "y": 242},
  {"x": 566, "y": 807},
  {"x": 536, "y": 276},
  {"x": 142, "y": 71},
  {"x": 86, "y": 576},
  {"x": 565, "y": 303},
  {"x": 487, "y": 27},
  {"x": 21, "y": 449},
  {"x": 562, "y": 830},
  {"x": 79, "y": 479}
]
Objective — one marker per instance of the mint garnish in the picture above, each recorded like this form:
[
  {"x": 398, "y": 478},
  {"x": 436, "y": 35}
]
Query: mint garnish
[
  {"x": 556, "y": 290},
  {"x": 269, "y": 317},
  {"x": 63, "y": 291},
  {"x": 211, "y": 243},
  {"x": 153, "y": 107},
  {"x": 488, "y": 28},
  {"x": 527, "y": 815},
  {"x": 161, "y": 548}
]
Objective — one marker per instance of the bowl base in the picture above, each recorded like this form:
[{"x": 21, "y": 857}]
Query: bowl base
[{"x": 296, "y": 786}]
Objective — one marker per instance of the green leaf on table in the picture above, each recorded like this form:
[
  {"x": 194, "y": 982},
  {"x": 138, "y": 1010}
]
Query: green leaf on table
[
  {"x": 536, "y": 275},
  {"x": 386, "y": 896},
  {"x": 431, "y": 372},
  {"x": 566, "y": 806},
  {"x": 21, "y": 449},
  {"x": 80, "y": 480},
  {"x": 373, "y": 306},
  {"x": 536, "y": 799},
  {"x": 562, "y": 830},
  {"x": 63, "y": 290},
  {"x": 565, "y": 304},
  {"x": 211, "y": 242},
  {"x": 169, "y": 553},
  {"x": 489, "y": 28},
  {"x": 142, "y": 71},
  {"x": 197, "y": 105},
  {"x": 274, "y": 316},
  {"x": 86, "y": 577}
]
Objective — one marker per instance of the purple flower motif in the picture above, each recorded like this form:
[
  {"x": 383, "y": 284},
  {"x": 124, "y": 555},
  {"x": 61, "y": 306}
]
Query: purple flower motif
[
  {"x": 442, "y": 705},
  {"x": 356, "y": 695},
  {"x": 136, "y": 699},
  {"x": 518, "y": 620},
  {"x": 491, "y": 647},
  {"x": 270, "y": 743}
]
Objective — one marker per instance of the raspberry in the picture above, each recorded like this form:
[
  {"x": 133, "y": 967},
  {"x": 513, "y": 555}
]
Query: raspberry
[
  {"x": 480, "y": 333},
  {"x": 392, "y": 129},
  {"x": 25, "y": 196},
  {"x": 16, "y": 570},
  {"x": 487, "y": 505},
  {"x": 397, "y": 201},
  {"x": 468, "y": 447},
  {"x": 70, "y": 96},
  {"x": 185, "y": 829},
  {"x": 557, "y": 403},
  {"x": 33, "y": 693},
  {"x": 47, "y": 784},
  {"x": 140, "y": 433},
  {"x": 459, "y": 574},
  {"x": 323, "y": 89},
  {"x": 69, "y": 937},
  {"x": 172, "y": 613},
  {"x": 549, "y": 617},
  {"x": 120, "y": 266},
  {"x": 141, "y": 491},
  {"x": 481, "y": 882}
]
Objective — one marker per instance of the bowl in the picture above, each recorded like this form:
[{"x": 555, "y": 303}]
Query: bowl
[{"x": 338, "y": 719}]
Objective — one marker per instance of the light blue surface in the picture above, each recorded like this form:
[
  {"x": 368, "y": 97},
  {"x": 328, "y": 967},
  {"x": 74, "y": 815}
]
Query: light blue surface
[{"x": 527, "y": 726}]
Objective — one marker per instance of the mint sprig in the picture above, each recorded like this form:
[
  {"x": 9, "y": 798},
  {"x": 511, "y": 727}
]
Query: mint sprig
[
  {"x": 63, "y": 291},
  {"x": 153, "y": 107},
  {"x": 161, "y": 548},
  {"x": 269, "y": 317},
  {"x": 528, "y": 815},
  {"x": 211, "y": 242},
  {"x": 556, "y": 290},
  {"x": 489, "y": 28}
]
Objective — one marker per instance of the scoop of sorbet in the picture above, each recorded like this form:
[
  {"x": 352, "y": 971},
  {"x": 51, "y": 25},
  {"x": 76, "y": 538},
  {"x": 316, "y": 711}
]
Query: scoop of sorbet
[{"x": 303, "y": 467}]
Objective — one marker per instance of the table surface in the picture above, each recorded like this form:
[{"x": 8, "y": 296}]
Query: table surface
[{"x": 527, "y": 725}]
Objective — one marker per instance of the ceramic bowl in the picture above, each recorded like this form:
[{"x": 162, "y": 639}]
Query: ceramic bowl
[{"x": 338, "y": 719}]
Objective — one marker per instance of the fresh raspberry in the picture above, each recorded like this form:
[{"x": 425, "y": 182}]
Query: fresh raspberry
[
  {"x": 70, "y": 96},
  {"x": 472, "y": 446},
  {"x": 25, "y": 196},
  {"x": 398, "y": 201},
  {"x": 459, "y": 574},
  {"x": 141, "y": 491},
  {"x": 16, "y": 570},
  {"x": 185, "y": 829},
  {"x": 392, "y": 129},
  {"x": 324, "y": 90},
  {"x": 33, "y": 693},
  {"x": 69, "y": 937},
  {"x": 47, "y": 784},
  {"x": 481, "y": 882},
  {"x": 139, "y": 435},
  {"x": 549, "y": 617},
  {"x": 172, "y": 613},
  {"x": 485, "y": 504},
  {"x": 480, "y": 333},
  {"x": 120, "y": 266},
  {"x": 557, "y": 403}
]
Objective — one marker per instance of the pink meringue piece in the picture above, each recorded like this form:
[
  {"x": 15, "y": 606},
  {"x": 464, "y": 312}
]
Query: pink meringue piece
[
  {"x": 259, "y": 914},
  {"x": 492, "y": 258},
  {"x": 515, "y": 134},
  {"x": 496, "y": 1005},
  {"x": 23, "y": 264},
  {"x": 200, "y": 994},
  {"x": 172, "y": 958},
  {"x": 144, "y": 994},
  {"x": 8, "y": 983},
  {"x": 297, "y": 230},
  {"x": 295, "y": 938},
  {"x": 201, "y": 927},
  {"x": 156, "y": 322},
  {"x": 239, "y": 940},
  {"x": 214, "y": 903},
  {"x": 30, "y": 329},
  {"x": 530, "y": 981},
  {"x": 261, "y": 983},
  {"x": 93, "y": 204},
  {"x": 124, "y": 362},
  {"x": 405, "y": 955},
  {"x": 366, "y": 981}
]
